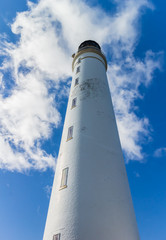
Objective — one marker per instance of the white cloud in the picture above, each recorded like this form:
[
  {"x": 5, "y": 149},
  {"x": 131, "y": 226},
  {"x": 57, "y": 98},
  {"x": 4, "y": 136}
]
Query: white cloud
[
  {"x": 160, "y": 152},
  {"x": 49, "y": 32},
  {"x": 48, "y": 190},
  {"x": 125, "y": 78}
]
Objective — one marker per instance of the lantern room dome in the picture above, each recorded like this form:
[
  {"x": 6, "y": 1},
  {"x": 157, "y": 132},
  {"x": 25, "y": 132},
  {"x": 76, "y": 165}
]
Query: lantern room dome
[{"x": 89, "y": 43}]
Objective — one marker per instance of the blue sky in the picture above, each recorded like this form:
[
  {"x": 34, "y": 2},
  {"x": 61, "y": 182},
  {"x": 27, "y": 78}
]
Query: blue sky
[{"x": 35, "y": 76}]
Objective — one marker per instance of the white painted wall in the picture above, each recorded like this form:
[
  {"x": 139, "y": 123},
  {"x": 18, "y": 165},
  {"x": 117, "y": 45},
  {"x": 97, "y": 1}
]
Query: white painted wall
[{"x": 96, "y": 205}]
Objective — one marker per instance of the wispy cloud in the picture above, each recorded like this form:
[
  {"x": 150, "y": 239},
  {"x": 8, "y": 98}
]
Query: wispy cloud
[
  {"x": 49, "y": 32},
  {"x": 160, "y": 152},
  {"x": 137, "y": 175},
  {"x": 48, "y": 189},
  {"x": 125, "y": 78}
]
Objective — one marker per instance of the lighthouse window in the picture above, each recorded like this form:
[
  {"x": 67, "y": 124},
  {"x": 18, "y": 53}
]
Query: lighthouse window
[
  {"x": 70, "y": 133},
  {"x": 79, "y": 60},
  {"x": 64, "y": 178},
  {"x": 78, "y": 69},
  {"x": 57, "y": 236},
  {"x": 76, "y": 81},
  {"x": 74, "y": 102}
]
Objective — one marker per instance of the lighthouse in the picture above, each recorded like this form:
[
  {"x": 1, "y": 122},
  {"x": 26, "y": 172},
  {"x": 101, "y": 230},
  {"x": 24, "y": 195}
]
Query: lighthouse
[{"x": 90, "y": 197}]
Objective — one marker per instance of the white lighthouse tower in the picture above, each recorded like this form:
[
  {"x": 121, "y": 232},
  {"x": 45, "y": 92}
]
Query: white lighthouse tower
[{"x": 90, "y": 197}]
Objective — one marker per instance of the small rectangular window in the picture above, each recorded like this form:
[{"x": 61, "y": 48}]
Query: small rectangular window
[
  {"x": 74, "y": 102},
  {"x": 78, "y": 69},
  {"x": 57, "y": 236},
  {"x": 76, "y": 81},
  {"x": 70, "y": 133},
  {"x": 64, "y": 178},
  {"x": 79, "y": 60}
]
